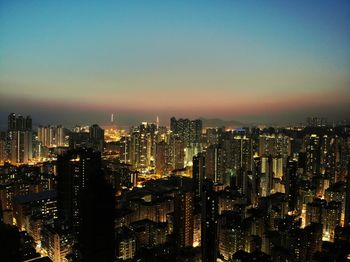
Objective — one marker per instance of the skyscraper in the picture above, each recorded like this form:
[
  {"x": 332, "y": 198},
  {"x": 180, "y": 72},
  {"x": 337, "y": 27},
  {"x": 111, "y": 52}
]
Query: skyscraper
[
  {"x": 291, "y": 179},
  {"x": 313, "y": 153},
  {"x": 347, "y": 200},
  {"x": 51, "y": 136},
  {"x": 183, "y": 226},
  {"x": 97, "y": 137},
  {"x": 189, "y": 131},
  {"x": 142, "y": 151},
  {"x": 96, "y": 232},
  {"x": 161, "y": 157},
  {"x": 212, "y": 163},
  {"x": 86, "y": 203},
  {"x": 209, "y": 237},
  {"x": 19, "y": 138},
  {"x": 266, "y": 175},
  {"x": 75, "y": 170},
  {"x": 3, "y": 154},
  {"x": 198, "y": 174}
]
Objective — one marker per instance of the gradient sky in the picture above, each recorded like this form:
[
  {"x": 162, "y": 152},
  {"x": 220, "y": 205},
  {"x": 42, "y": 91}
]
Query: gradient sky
[{"x": 253, "y": 61}]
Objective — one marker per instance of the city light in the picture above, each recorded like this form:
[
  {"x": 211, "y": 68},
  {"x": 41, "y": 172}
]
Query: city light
[{"x": 190, "y": 131}]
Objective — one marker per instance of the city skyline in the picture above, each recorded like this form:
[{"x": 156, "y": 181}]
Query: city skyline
[
  {"x": 187, "y": 130},
  {"x": 178, "y": 193},
  {"x": 276, "y": 62}
]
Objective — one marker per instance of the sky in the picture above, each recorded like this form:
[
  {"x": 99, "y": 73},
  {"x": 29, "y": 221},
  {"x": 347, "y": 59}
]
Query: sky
[{"x": 66, "y": 62}]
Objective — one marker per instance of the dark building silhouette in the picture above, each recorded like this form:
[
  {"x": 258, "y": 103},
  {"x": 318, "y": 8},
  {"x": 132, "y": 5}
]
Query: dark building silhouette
[
  {"x": 291, "y": 184},
  {"x": 198, "y": 174},
  {"x": 93, "y": 138},
  {"x": 347, "y": 200},
  {"x": 161, "y": 157},
  {"x": 86, "y": 203},
  {"x": 209, "y": 237},
  {"x": 15, "y": 245},
  {"x": 96, "y": 231},
  {"x": 97, "y": 137},
  {"x": 79, "y": 139},
  {"x": 75, "y": 170}
]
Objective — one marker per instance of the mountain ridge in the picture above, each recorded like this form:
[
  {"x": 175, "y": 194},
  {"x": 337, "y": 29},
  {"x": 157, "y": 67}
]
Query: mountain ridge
[{"x": 218, "y": 122}]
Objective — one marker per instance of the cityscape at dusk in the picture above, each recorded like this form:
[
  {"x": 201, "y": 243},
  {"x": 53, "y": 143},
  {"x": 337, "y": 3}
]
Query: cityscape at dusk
[{"x": 195, "y": 131}]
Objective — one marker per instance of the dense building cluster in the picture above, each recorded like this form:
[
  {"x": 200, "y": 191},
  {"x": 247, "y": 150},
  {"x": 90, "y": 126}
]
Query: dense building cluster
[{"x": 184, "y": 193}]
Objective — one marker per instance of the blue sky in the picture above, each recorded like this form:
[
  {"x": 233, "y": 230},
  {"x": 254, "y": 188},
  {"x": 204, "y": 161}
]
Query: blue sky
[{"x": 247, "y": 60}]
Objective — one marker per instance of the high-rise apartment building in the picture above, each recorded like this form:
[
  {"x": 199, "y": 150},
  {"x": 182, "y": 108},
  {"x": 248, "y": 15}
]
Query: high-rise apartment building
[
  {"x": 189, "y": 131},
  {"x": 210, "y": 214},
  {"x": 51, "y": 136},
  {"x": 86, "y": 203},
  {"x": 142, "y": 146},
  {"x": 3, "y": 153},
  {"x": 161, "y": 158},
  {"x": 347, "y": 199},
  {"x": 183, "y": 214},
  {"x": 19, "y": 138},
  {"x": 198, "y": 174},
  {"x": 312, "y": 147}
]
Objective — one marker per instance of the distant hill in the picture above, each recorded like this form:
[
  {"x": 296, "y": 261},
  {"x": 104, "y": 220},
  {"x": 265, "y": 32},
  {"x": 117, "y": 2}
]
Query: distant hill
[{"x": 217, "y": 122}]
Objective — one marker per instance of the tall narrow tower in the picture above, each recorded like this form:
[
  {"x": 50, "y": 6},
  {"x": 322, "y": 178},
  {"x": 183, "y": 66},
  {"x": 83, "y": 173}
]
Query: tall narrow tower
[
  {"x": 209, "y": 241},
  {"x": 347, "y": 199},
  {"x": 183, "y": 226}
]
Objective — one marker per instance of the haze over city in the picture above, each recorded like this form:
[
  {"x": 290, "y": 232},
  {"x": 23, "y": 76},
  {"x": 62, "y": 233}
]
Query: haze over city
[{"x": 255, "y": 62}]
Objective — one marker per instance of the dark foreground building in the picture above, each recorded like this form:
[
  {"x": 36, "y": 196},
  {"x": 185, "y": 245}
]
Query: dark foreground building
[{"x": 86, "y": 204}]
